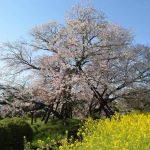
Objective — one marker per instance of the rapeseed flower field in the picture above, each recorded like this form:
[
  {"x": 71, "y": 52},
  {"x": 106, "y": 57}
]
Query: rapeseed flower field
[{"x": 125, "y": 132}]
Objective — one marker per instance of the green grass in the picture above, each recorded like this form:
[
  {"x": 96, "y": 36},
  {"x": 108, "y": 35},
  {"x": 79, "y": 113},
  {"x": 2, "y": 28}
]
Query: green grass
[{"x": 54, "y": 130}]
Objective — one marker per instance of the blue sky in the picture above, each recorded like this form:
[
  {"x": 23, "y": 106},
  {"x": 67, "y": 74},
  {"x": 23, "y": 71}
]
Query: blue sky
[{"x": 17, "y": 17}]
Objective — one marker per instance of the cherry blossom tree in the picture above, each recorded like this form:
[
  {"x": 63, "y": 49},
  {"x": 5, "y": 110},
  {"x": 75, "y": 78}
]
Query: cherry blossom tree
[{"x": 82, "y": 65}]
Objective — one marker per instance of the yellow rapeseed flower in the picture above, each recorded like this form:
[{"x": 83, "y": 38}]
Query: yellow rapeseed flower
[{"x": 121, "y": 133}]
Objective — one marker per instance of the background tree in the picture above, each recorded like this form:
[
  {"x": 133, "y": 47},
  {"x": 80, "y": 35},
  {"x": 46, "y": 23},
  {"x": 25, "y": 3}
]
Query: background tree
[
  {"x": 137, "y": 99},
  {"x": 87, "y": 61}
]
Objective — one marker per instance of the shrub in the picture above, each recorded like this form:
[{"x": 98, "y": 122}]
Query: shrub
[
  {"x": 120, "y": 133},
  {"x": 12, "y": 132},
  {"x": 5, "y": 137}
]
